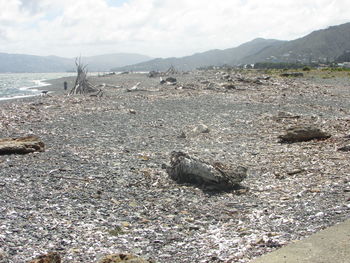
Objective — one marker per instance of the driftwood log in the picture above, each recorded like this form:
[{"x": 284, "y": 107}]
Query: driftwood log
[
  {"x": 303, "y": 133},
  {"x": 186, "y": 169},
  {"x": 123, "y": 258},
  {"x": 52, "y": 257},
  {"x": 21, "y": 145}
]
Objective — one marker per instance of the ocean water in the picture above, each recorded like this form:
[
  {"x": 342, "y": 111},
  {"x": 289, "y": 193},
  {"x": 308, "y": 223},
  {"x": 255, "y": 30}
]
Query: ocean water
[{"x": 20, "y": 85}]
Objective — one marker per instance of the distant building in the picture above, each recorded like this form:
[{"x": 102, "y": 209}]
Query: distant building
[{"x": 344, "y": 65}]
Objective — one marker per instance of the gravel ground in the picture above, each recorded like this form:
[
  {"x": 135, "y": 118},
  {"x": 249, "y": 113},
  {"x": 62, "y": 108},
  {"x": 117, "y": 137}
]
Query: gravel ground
[{"x": 100, "y": 187}]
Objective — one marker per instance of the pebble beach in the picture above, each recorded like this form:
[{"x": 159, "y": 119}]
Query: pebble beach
[{"x": 101, "y": 187}]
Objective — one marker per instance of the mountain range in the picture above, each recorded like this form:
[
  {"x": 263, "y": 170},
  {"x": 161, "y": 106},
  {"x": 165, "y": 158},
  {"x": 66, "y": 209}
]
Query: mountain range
[
  {"x": 319, "y": 46},
  {"x": 326, "y": 45},
  {"x": 215, "y": 57}
]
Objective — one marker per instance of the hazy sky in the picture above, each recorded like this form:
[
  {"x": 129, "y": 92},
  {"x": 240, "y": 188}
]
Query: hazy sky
[{"x": 158, "y": 28}]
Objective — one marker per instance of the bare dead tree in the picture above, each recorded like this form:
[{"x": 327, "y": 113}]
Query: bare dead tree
[{"x": 82, "y": 85}]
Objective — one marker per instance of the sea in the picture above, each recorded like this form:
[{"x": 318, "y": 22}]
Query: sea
[{"x": 20, "y": 85}]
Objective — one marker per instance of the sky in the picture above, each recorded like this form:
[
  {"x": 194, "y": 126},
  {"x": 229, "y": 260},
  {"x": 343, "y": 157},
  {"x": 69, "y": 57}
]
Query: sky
[{"x": 157, "y": 28}]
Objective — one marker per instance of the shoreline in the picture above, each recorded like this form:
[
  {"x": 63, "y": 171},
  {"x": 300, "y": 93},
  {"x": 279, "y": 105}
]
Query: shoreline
[
  {"x": 54, "y": 86},
  {"x": 100, "y": 187}
]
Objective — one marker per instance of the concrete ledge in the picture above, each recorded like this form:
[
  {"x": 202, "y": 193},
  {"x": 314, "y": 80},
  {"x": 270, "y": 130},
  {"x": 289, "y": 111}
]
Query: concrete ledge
[{"x": 331, "y": 245}]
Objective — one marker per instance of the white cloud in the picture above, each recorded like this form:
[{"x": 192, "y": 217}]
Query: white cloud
[{"x": 157, "y": 27}]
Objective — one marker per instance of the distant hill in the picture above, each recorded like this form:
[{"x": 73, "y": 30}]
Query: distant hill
[
  {"x": 210, "y": 58},
  {"x": 319, "y": 46},
  {"x": 331, "y": 44},
  {"x": 108, "y": 61},
  {"x": 29, "y": 63}
]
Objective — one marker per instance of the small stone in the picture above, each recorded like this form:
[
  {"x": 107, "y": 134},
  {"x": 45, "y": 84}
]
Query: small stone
[
  {"x": 315, "y": 190},
  {"x": 201, "y": 129},
  {"x": 319, "y": 214}
]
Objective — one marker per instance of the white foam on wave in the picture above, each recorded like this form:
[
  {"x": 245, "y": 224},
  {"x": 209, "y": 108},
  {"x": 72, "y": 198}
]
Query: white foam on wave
[
  {"x": 35, "y": 92},
  {"x": 17, "y": 97},
  {"x": 38, "y": 83}
]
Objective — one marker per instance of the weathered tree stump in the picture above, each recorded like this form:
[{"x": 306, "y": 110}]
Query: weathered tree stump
[
  {"x": 21, "y": 145},
  {"x": 186, "y": 169}
]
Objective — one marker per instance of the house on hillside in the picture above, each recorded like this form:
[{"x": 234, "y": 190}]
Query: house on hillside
[{"x": 344, "y": 65}]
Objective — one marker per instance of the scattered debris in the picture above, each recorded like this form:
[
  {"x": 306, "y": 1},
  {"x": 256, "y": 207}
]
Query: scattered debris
[
  {"x": 292, "y": 74},
  {"x": 44, "y": 93},
  {"x": 102, "y": 169},
  {"x": 107, "y": 74},
  {"x": 196, "y": 130},
  {"x": 134, "y": 88},
  {"x": 123, "y": 258},
  {"x": 153, "y": 74},
  {"x": 228, "y": 86},
  {"x": 286, "y": 115}
]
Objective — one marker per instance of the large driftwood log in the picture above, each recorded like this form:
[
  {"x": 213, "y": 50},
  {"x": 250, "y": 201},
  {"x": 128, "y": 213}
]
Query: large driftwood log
[
  {"x": 21, "y": 145},
  {"x": 303, "y": 133},
  {"x": 186, "y": 169}
]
